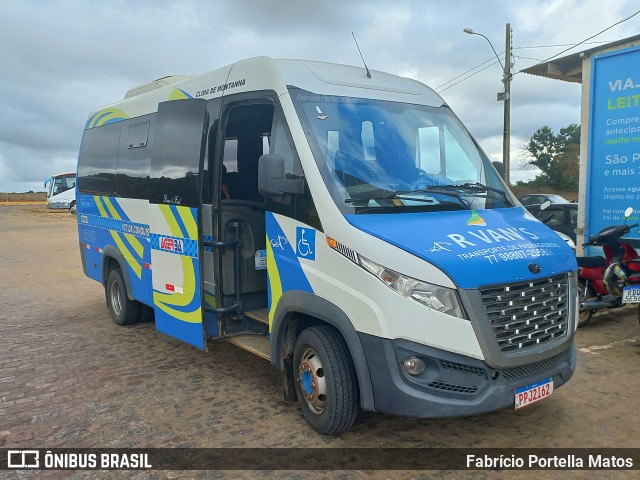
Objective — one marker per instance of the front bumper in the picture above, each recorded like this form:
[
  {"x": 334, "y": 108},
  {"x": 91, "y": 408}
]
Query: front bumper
[{"x": 451, "y": 384}]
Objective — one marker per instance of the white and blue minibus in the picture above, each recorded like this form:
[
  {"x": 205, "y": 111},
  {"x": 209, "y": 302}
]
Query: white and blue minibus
[{"x": 345, "y": 227}]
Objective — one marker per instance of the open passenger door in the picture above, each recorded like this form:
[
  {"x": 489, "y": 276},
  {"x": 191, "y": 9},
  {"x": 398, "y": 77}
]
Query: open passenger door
[{"x": 174, "y": 203}]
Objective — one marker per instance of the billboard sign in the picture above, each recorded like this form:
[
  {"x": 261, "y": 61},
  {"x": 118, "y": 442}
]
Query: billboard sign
[{"x": 613, "y": 176}]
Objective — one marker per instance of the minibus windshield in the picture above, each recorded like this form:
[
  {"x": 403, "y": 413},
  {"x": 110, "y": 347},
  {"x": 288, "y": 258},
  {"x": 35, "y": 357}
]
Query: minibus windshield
[{"x": 388, "y": 157}]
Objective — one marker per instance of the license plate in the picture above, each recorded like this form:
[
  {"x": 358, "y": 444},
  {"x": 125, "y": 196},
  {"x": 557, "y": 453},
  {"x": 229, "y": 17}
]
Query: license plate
[
  {"x": 631, "y": 295},
  {"x": 533, "y": 393}
]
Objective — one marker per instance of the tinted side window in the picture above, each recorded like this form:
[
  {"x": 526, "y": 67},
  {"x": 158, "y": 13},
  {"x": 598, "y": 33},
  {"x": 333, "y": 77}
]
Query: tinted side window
[
  {"x": 64, "y": 183},
  {"x": 300, "y": 207},
  {"x": 555, "y": 216},
  {"x": 138, "y": 135},
  {"x": 134, "y": 158},
  {"x": 178, "y": 149},
  {"x": 98, "y": 159},
  {"x": 213, "y": 108},
  {"x": 246, "y": 126}
]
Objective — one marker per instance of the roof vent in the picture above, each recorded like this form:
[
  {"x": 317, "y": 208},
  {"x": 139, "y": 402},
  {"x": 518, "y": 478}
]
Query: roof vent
[{"x": 155, "y": 84}]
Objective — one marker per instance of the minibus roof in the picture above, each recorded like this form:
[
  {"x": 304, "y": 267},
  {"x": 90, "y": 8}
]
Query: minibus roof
[{"x": 264, "y": 74}]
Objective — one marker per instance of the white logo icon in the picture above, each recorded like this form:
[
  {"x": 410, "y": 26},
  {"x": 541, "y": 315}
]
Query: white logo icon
[
  {"x": 304, "y": 249},
  {"x": 439, "y": 246},
  {"x": 279, "y": 242},
  {"x": 23, "y": 459}
]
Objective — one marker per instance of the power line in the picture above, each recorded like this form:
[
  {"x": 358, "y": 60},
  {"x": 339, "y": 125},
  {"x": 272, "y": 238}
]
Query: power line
[
  {"x": 469, "y": 76},
  {"x": 527, "y": 58},
  {"x": 516, "y": 48},
  {"x": 559, "y": 45},
  {"x": 501, "y": 56},
  {"x": 585, "y": 40},
  {"x": 464, "y": 73},
  {"x": 571, "y": 46}
]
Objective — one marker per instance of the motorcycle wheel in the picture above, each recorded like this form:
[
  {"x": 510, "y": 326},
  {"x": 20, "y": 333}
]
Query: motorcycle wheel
[{"x": 584, "y": 293}]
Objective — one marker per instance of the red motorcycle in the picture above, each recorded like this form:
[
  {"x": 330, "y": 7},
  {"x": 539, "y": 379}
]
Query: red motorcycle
[{"x": 610, "y": 281}]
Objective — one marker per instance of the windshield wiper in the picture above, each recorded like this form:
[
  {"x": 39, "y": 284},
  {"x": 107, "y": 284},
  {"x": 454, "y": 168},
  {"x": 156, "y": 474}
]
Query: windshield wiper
[
  {"x": 393, "y": 196},
  {"x": 370, "y": 194},
  {"x": 478, "y": 187},
  {"x": 438, "y": 190},
  {"x": 410, "y": 195}
]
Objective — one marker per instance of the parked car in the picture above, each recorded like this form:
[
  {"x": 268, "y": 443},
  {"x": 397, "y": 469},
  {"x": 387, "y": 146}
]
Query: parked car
[
  {"x": 540, "y": 198},
  {"x": 561, "y": 217}
]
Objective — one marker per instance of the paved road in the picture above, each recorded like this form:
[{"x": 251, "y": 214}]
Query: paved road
[{"x": 69, "y": 377}]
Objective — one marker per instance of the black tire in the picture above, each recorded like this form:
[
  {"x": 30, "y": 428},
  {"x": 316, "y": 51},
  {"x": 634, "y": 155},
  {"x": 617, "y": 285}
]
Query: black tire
[
  {"x": 146, "y": 314},
  {"x": 325, "y": 380},
  {"x": 123, "y": 311},
  {"x": 584, "y": 293}
]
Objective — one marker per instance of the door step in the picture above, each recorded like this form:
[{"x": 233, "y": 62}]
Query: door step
[
  {"x": 261, "y": 315},
  {"x": 256, "y": 344}
]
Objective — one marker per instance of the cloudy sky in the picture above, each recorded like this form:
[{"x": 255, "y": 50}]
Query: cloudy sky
[{"x": 60, "y": 59}]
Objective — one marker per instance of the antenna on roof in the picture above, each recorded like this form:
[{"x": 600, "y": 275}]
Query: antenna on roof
[{"x": 365, "y": 63}]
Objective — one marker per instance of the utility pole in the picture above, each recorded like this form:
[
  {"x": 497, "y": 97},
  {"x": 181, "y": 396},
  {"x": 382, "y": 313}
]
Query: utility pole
[
  {"x": 503, "y": 97},
  {"x": 506, "y": 135}
]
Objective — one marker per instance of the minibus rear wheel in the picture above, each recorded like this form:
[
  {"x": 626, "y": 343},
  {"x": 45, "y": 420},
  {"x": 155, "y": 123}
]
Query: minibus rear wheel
[
  {"x": 123, "y": 311},
  {"x": 325, "y": 380}
]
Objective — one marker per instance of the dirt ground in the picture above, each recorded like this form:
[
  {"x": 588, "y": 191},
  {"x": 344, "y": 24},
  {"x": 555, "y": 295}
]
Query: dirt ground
[{"x": 70, "y": 377}]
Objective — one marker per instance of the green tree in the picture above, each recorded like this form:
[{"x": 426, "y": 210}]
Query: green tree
[{"x": 556, "y": 155}]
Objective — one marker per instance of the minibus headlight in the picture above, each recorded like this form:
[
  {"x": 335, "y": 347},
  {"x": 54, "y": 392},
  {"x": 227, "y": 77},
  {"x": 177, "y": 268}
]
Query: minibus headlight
[{"x": 438, "y": 298}]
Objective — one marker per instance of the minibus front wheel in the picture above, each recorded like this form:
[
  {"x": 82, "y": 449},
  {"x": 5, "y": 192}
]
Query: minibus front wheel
[{"x": 325, "y": 380}]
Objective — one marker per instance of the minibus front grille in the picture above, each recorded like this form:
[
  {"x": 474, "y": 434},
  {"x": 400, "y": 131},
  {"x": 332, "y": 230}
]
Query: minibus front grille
[
  {"x": 531, "y": 369},
  {"x": 449, "y": 387},
  {"x": 461, "y": 367},
  {"x": 527, "y": 315}
]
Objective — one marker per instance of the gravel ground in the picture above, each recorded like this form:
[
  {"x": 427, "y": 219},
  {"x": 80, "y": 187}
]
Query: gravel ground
[{"x": 70, "y": 377}]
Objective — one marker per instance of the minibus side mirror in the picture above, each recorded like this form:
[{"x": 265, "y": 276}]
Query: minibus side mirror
[
  {"x": 499, "y": 166},
  {"x": 272, "y": 181}
]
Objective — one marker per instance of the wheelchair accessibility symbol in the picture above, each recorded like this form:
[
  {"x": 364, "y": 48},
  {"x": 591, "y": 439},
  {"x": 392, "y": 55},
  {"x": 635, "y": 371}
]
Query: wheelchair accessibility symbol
[{"x": 306, "y": 243}]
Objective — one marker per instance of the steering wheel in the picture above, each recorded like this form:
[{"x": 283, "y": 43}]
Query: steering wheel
[
  {"x": 412, "y": 175},
  {"x": 426, "y": 180}
]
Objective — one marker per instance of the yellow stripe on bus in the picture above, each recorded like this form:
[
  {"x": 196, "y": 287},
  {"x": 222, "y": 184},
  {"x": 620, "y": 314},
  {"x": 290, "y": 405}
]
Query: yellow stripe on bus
[
  {"x": 126, "y": 253},
  {"x": 189, "y": 222},
  {"x": 274, "y": 282},
  {"x": 174, "y": 228}
]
